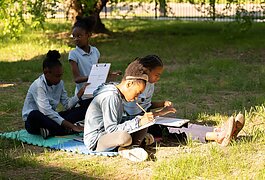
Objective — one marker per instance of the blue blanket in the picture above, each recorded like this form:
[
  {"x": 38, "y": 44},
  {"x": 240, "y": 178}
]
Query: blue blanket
[{"x": 65, "y": 143}]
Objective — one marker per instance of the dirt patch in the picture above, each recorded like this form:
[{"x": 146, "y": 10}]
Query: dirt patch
[
  {"x": 4, "y": 85},
  {"x": 246, "y": 55}
]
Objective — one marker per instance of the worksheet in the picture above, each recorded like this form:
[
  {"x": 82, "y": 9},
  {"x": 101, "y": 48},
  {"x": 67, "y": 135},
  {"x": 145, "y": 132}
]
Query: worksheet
[
  {"x": 166, "y": 121},
  {"x": 97, "y": 76}
]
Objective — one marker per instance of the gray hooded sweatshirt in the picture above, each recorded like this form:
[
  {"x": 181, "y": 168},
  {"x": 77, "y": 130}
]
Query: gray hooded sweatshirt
[{"x": 104, "y": 115}]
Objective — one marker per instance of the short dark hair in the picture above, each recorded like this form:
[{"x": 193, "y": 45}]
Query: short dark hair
[
  {"x": 151, "y": 61},
  {"x": 87, "y": 23},
  {"x": 52, "y": 59},
  {"x": 135, "y": 69}
]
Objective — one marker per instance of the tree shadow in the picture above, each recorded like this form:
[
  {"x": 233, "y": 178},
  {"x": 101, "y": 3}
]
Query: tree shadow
[{"x": 16, "y": 163}]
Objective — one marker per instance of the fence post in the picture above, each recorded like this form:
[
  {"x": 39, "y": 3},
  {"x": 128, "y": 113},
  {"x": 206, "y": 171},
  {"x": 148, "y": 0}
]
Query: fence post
[
  {"x": 212, "y": 5},
  {"x": 156, "y": 9},
  {"x": 105, "y": 11}
]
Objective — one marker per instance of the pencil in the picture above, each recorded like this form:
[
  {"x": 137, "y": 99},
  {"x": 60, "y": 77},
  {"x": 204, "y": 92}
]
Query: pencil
[{"x": 141, "y": 107}]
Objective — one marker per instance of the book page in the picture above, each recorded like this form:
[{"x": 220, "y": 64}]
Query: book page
[{"x": 97, "y": 76}]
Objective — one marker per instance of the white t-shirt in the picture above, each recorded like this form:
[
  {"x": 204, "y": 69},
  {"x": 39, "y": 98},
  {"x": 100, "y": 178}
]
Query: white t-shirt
[
  {"x": 84, "y": 61},
  {"x": 144, "y": 100}
]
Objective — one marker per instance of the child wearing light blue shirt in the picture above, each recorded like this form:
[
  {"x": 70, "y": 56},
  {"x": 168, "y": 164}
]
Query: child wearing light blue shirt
[
  {"x": 84, "y": 55},
  {"x": 194, "y": 131},
  {"x": 155, "y": 66},
  {"x": 84, "y": 61},
  {"x": 43, "y": 97}
]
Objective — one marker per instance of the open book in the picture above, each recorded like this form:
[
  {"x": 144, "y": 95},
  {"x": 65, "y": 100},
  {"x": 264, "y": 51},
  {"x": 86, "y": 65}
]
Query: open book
[
  {"x": 166, "y": 121},
  {"x": 97, "y": 76}
]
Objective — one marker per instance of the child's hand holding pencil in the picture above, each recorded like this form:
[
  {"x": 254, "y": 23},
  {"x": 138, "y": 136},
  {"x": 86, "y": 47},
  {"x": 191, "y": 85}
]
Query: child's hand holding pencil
[{"x": 147, "y": 117}]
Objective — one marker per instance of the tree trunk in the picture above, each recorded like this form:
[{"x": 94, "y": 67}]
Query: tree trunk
[
  {"x": 100, "y": 27},
  {"x": 75, "y": 9},
  {"x": 162, "y": 8}
]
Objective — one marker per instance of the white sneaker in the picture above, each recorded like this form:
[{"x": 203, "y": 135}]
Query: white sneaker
[
  {"x": 44, "y": 133},
  {"x": 135, "y": 154},
  {"x": 80, "y": 123}
]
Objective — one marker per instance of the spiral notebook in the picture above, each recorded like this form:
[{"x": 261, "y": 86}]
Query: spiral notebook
[{"x": 98, "y": 75}]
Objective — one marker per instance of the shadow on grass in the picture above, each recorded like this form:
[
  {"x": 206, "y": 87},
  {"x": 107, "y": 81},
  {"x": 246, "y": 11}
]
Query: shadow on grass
[
  {"x": 27, "y": 71},
  {"x": 17, "y": 162}
]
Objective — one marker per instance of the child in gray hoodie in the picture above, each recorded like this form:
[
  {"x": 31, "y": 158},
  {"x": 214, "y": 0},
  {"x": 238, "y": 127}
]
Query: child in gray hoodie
[{"x": 104, "y": 128}]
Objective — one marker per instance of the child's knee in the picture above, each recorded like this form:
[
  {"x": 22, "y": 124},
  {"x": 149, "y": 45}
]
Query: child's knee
[{"x": 125, "y": 138}]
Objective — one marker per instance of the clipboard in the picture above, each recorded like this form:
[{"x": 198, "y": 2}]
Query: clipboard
[
  {"x": 98, "y": 75},
  {"x": 166, "y": 121}
]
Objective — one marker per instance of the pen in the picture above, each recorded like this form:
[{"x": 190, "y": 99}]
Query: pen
[{"x": 141, "y": 107}]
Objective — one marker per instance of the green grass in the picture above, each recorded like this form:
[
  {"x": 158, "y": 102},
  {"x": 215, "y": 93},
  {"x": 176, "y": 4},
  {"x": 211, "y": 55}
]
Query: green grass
[{"x": 212, "y": 71}]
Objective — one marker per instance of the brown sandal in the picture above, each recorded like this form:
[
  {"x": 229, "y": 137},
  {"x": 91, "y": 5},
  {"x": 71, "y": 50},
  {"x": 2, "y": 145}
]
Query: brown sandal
[
  {"x": 240, "y": 122},
  {"x": 229, "y": 129}
]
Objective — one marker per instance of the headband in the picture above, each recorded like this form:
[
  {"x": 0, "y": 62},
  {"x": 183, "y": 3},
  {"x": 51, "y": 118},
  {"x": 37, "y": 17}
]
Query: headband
[{"x": 143, "y": 77}]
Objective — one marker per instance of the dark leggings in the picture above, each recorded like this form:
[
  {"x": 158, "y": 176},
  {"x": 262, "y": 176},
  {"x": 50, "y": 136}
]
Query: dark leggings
[{"x": 37, "y": 120}]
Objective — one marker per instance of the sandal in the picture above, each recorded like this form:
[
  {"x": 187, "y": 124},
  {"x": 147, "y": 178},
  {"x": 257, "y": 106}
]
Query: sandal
[
  {"x": 240, "y": 122},
  {"x": 224, "y": 134},
  {"x": 229, "y": 129}
]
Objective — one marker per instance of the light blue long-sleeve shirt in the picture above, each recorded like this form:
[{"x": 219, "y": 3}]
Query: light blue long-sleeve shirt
[
  {"x": 104, "y": 115},
  {"x": 46, "y": 98}
]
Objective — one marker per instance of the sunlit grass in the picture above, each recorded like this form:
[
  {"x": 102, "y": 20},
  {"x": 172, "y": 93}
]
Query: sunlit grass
[{"x": 209, "y": 76}]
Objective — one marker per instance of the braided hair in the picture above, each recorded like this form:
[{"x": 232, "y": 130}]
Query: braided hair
[
  {"x": 136, "y": 70},
  {"x": 150, "y": 62}
]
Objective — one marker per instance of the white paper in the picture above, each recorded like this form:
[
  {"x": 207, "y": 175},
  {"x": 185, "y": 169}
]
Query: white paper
[
  {"x": 166, "y": 121},
  {"x": 174, "y": 122},
  {"x": 97, "y": 76}
]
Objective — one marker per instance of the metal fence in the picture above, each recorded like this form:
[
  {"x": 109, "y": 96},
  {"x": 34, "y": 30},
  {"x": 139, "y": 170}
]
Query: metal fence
[{"x": 220, "y": 10}]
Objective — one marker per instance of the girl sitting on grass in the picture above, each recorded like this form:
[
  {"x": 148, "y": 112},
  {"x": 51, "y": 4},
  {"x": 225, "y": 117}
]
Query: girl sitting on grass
[
  {"x": 154, "y": 64},
  {"x": 155, "y": 67},
  {"x": 43, "y": 97}
]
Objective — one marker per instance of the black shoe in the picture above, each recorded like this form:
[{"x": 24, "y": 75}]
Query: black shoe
[
  {"x": 44, "y": 133},
  {"x": 180, "y": 137},
  {"x": 157, "y": 130}
]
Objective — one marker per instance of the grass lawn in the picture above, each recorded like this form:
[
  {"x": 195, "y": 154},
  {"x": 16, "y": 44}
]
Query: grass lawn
[{"x": 212, "y": 71}]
